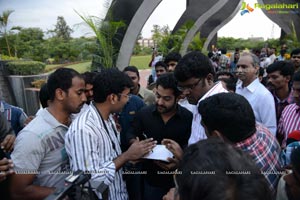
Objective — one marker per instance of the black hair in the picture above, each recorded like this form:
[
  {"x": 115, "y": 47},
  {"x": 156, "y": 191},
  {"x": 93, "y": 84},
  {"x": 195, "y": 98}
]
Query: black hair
[
  {"x": 161, "y": 64},
  {"x": 44, "y": 95},
  {"x": 212, "y": 169},
  {"x": 173, "y": 56},
  {"x": 210, "y": 54},
  {"x": 230, "y": 83},
  {"x": 230, "y": 114},
  {"x": 168, "y": 81},
  {"x": 221, "y": 73},
  {"x": 61, "y": 78},
  {"x": 223, "y": 51},
  {"x": 296, "y": 76},
  {"x": 194, "y": 64},
  {"x": 261, "y": 71},
  {"x": 89, "y": 77},
  {"x": 132, "y": 69},
  {"x": 285, "y": 68},
  {"x": 110, "y": 81},
  {"x": 295, "y": 52}
]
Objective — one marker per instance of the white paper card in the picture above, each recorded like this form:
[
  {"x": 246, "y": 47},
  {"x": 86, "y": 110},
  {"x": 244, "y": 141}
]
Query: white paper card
[{"x": 160, "y": 152}]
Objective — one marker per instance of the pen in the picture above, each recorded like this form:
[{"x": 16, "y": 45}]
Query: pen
[{"x": 146, "y": 137}]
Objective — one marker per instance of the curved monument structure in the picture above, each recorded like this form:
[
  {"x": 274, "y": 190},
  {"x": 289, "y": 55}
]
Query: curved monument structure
[{"x": 209, "y": 17}]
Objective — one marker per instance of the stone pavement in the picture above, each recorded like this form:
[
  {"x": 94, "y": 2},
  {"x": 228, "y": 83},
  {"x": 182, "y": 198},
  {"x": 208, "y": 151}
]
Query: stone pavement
[{"x": 144, "y": 74}]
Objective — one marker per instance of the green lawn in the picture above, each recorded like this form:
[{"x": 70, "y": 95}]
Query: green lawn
[
  {"x": 80, "y": 67},
  {"x": 141, "y": 62}
]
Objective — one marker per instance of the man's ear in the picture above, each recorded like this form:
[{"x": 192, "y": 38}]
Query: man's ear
[
  {"x": 210, "y": 78},
  {"x": 60, "y": 94},
  {"x": 112, "y": 98},
  {"x": 288, "y": 78},
  {"x": 216, "y": 133}
]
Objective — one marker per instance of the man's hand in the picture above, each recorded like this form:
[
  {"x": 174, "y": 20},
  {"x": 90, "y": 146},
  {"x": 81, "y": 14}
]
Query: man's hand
[
  {"x": 140, "y": 148},
  {"x": 8, "y": 143},
  {"x": 171, "y": 195},
  {"x": 29, "y": 118},
  {"x": 166, "y": 166},
  {"x": 6, "y": 168},
  {"x": 173, "y": 147}
]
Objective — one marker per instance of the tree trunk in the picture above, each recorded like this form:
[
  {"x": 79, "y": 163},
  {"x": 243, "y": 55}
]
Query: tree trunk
[{"x": 8, "y": 48}]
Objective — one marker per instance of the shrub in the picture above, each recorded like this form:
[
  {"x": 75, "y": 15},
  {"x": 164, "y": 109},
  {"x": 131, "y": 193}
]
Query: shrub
[
  {"x": 25, "y": 67},
  {"x": 4, "y": 57},
  {"x": 38, "y": 83}
]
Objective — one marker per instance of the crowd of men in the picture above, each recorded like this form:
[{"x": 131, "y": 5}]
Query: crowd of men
[{"x": 232, "y": 133}]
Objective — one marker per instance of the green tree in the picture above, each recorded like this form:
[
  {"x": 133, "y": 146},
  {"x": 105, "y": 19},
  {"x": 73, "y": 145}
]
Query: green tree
[
  {"x": 137, "y": 47},
  {"x": 30, "y": 44},
  {"x": 291, "y": 39},
  {"x": 62, "y": 30},
  {"x": 3, "y": 27},
  {"x": 105, "y": 31}
]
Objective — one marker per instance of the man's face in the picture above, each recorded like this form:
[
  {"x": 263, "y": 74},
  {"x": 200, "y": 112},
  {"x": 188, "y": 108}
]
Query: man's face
[
  {"x": 120, "y": 100},
  {"x": 160, "y": 70},
  {"x": 171, "y": 65},
  {"x": 296, "y": 60},
  {"x": 134, "y": 77},
  {"x": 194, "y": 89},
  {"x": 165, "y": 100},
  {"x": 75, "y": 97},
  {"x": 277, "y": 81},
  {"x": 89, "y": 92},
  {"x": 296, "y": 92},
  {"x": 246, "y": 72}
]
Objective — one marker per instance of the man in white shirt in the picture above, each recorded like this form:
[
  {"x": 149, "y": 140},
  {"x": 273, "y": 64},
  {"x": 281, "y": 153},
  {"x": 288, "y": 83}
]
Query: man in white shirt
[
  {"x": 93, "y": 142},
  {"x": 261, "y": 100},
  {"x": 195, "y": 76}
]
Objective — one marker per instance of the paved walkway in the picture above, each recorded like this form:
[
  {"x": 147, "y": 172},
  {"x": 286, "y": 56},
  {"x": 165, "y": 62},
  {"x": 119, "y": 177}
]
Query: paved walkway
[{"x": 144, "y": 74}]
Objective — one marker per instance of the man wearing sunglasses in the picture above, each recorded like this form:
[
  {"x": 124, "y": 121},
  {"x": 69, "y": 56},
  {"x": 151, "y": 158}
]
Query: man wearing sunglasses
[
  {"x": 195, "y": 76},
  {"x": 295, "y": 58}
]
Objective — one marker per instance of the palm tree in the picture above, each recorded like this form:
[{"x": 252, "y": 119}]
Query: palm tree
[
  {"x": 3, "y": 27},
  {"x": 105, "y": 31}
]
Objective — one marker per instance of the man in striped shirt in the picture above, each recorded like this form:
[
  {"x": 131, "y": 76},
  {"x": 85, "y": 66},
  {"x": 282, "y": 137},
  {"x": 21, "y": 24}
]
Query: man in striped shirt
[
  {"x": 195, "y": 76},
  {"x": 290, "y": 117},
  {"x": 93, "y": 142}
]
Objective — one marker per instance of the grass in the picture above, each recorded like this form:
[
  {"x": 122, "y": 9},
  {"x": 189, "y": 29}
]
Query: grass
[
  {"x": 80, "y": 67},
  {"x": 141, "y": 62}
]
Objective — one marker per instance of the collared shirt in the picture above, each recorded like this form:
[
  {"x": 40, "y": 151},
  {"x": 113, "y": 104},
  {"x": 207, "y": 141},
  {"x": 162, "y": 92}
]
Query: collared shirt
[
  {"x": 5, "y": 128},
  {"x": 262, "y": 103},
  {"x": 92, "y": 148},
  {"x": 149, "y": 122},
  {"x": 280, "y": 105},
  {"x": 289, "y": 121},
  {"x": 40, "y": 149},
  {"x": 198, "y": 131},
  {"x": 14, "y": 115},
  {"x": 126, "y": 117},
  {"x": 147, "y": 95},
  {"x": 264, "y": 149}
]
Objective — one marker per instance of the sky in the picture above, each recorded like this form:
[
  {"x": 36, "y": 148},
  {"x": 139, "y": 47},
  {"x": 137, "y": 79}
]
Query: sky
[{"x": 43, "y": 14}]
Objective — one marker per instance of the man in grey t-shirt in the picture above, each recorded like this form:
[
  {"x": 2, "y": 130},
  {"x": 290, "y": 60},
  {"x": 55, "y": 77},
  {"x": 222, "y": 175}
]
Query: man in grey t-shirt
[{"x": 39, "y": 157}]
